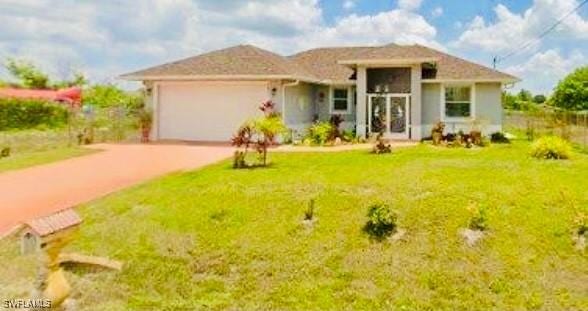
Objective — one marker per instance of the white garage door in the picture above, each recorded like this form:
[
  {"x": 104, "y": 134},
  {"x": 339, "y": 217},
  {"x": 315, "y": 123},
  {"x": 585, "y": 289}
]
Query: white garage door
[{"x": 207, "y": 111}]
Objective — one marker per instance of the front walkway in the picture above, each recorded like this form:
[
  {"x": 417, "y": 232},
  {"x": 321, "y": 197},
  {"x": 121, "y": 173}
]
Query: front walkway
[{"x": 45, "y": 189}]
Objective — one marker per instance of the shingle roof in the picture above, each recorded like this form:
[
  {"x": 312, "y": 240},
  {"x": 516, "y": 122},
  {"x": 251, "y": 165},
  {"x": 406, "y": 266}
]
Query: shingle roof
[
  {"x": 50, "y": 224},
  {"x": 322, "y": 64},
  {"x": 454, "y": 68},
  {"x": 237, "y": 60}
]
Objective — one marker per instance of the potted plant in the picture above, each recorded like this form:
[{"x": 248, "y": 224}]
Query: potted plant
[{"x": 145, "y": 118}]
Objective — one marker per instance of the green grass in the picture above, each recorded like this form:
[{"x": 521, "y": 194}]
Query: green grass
[
  {"x": 28, "y": 159},
  {"x": 232, "y": 239}
]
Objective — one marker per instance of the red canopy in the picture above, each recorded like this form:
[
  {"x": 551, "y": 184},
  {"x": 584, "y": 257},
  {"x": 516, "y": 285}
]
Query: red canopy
[{"x": 72, "y": 96}]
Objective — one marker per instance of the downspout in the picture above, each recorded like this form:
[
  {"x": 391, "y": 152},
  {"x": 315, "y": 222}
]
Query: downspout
[{"x": 284, "y": 86}]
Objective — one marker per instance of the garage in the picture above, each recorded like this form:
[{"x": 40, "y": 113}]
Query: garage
[{"x": 206, "y": 111}]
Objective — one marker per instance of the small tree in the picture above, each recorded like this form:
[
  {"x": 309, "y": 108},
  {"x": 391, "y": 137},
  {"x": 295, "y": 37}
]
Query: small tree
[
  {"x": 267, "y": 129},
  {"x": 145, "y": 122},
  {"x": 525, "y": 95},
  {"x": 29, "y": 75},
  {"x": 261, "y": 132},
  {"x": 572, "y": 92},
  {"x": 539, "y": 99}
]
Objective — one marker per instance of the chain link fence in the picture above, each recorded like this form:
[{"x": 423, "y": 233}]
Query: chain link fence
[{"x": 572, "y": 126}]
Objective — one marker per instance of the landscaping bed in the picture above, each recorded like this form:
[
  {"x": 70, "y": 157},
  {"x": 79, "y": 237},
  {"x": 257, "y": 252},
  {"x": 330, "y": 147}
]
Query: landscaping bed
[{"x": 234, "y": 239}]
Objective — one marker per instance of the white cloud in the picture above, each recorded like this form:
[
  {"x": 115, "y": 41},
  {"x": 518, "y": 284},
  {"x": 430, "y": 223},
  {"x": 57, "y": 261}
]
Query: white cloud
[
  {"x": 111, "y": 37},
  {"x": 409, "y": 5},
  {"x": 438, "y": 11},
  {"x": 511, "y": 30},
  {"x": 544, "y": 69},
  {"x": 393, "y": 26},
  {"x": 348, "y": 4}
]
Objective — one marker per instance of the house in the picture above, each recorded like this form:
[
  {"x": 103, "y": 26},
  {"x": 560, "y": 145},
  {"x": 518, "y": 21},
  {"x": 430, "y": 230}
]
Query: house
[
  {"x": 401, "y": 90},
  {"x": 71, "y": 96}
]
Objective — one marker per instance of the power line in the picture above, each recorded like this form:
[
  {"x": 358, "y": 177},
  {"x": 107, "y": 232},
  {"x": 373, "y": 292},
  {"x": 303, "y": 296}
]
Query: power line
[{"x": 498, "y": 59}]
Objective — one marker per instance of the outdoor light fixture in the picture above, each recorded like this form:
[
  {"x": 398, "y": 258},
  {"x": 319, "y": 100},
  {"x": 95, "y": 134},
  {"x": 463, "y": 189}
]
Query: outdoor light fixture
[{"x": 274, "y": 91}]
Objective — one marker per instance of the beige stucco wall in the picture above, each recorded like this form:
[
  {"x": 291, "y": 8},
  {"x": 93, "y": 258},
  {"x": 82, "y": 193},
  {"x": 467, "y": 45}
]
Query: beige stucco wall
[
  {"x": 299, "y": 110},
  {"x": 487, "y": 102},
  {"x": 323, "y": 108}
]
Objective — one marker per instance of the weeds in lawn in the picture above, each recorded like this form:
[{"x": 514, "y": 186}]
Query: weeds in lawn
[
  {"x": 309, "y": 212},
  {"x": 382, "y": 221},
  {"x": 581, "y": 222},
  {"x": 478, "y": 217}
]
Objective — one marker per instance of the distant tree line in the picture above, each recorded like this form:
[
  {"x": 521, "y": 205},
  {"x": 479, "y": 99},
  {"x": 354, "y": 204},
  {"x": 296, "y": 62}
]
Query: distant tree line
[{"x": 571, "y": 94}]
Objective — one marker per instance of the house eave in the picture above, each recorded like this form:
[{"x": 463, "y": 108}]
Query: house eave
[
  {"x": 387, "y": 62},
  {"x": 132, "y": 77},
  {"x": 481, "y": 80}
]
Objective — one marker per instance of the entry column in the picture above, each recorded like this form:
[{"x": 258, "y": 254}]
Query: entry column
[{"x": 360, "y": 113}]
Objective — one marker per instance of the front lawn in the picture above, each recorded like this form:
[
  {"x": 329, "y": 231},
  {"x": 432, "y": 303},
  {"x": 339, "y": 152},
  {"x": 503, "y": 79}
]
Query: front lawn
[
  {"x": 233, "y": 239},
  {"x": 28, "y": 159}
]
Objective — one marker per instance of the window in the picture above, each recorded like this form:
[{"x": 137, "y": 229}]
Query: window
[
  {"x": 458, "y": 101},
  {"x": 340, "y": 100}
]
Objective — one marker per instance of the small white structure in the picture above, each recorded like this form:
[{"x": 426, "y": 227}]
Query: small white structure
[{"x": 39, "y": 232}]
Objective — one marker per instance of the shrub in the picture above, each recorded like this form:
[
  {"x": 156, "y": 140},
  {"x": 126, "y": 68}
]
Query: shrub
[
  {"x": 437, "y": 133},
  {"x": 381, "y": 147},
  {"x": 478, "y": 217},
  {"x": 499, "y": 138},
  {"x": 581, "y": 223},
  {"x": 108, "y": 95},
  {"x": 320, "y": 133},
  {"x": 145, "y": 122},
  {"x": 26, "y": 114},
  {"x": 382, "y": 221},
  {"x": 336, "y": 121},
  {"x": 5, "y": 152},
  {"x": 551, "y": 147},
  {"x": 260, "y": 133},
  {"x": 349, "y": 136}
]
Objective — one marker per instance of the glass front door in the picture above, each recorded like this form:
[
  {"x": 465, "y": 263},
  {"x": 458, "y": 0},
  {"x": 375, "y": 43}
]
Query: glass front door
[
  {"x": 388, "y": 114},
  {"x": 398, "y": 115},
  {"x": 378, "y": 115}
]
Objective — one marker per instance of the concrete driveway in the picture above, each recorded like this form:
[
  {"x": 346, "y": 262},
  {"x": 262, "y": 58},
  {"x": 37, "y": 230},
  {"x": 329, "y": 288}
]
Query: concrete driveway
[{"x": 45, "y": 189}]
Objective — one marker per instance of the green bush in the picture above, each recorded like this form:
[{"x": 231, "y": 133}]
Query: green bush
[
  {"x": 478, "y": 217},
  {"x": 382, "y": 221},
  {"x": 5, "y": 152},
  {"x": 499, "y": 138},
  {"x": 26, "y": 114},
  {"x": 320, "y": 132},
  {"x": 551, "y": 147}
]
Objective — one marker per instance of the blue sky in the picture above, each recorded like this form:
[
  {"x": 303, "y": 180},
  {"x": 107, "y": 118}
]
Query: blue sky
[{"x": 107, "y": 38}]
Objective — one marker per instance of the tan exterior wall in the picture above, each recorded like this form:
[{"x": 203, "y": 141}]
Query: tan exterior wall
[{"x": 487, "y": 108}]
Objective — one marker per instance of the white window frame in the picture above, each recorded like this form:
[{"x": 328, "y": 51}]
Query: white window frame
[
  {"x": 472, "y": 87},
  {"x": 332, "y": 109}
]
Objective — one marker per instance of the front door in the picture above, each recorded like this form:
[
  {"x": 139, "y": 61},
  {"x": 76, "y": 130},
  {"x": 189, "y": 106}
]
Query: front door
[{"x": 388, "y": 114}]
